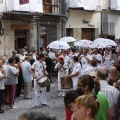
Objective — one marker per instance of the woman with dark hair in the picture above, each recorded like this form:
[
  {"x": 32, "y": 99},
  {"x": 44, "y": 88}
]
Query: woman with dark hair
[
  {"x": 91, "y": 87},
  {"x": 69, "y": 102}
]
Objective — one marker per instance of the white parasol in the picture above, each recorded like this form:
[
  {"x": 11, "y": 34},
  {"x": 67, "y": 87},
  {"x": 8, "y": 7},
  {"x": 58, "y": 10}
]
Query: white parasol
[
  {"x": 83, "y": 43},
  {"x": 102, "y": 43},
  {"x": 59, "y": 45},
  {"x": 68, "y": 39}
]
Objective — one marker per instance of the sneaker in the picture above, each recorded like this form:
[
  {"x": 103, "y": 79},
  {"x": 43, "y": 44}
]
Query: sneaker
[
  {"x": 59, "y": 94},
  {"x": 63, "y": 94}
]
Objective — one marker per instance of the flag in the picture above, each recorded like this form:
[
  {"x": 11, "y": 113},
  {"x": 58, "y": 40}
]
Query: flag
[{"x": 23, "y": 2}]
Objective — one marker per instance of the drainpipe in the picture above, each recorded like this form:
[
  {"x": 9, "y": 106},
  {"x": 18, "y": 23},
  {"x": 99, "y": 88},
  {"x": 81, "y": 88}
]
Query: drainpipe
[{"x": 38, "y": 37}]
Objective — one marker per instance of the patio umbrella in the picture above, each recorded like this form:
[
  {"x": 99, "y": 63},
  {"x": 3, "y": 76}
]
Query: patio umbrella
[
  {"x": 68, "y": 39},
  {"x": 59, "y": 45}
]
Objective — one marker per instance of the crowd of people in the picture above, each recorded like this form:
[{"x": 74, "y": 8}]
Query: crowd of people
[{"x": 94, "y": 74}]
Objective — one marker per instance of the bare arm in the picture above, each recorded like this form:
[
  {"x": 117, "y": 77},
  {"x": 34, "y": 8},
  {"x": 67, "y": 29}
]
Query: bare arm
[{"x": 32, "y": 72}]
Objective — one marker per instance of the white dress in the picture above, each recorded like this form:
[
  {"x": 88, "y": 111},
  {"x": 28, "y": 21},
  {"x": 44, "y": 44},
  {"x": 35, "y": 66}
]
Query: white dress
[
  {"x": 108, "y": 61},
  {"x": 84, "y": 62},
  {"x": 76, "y": 68},
  {"x": 39, "y": 93}
]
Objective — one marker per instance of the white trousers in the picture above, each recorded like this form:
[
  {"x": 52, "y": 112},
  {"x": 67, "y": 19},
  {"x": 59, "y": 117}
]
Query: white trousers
[
  {"x": 75, "y": 83},
  {"x": 39, "y": 95}
]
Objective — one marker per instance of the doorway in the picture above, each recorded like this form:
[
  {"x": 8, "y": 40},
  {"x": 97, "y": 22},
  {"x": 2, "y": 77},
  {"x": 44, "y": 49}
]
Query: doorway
[
  {"x": 44, "y": 41},
  {"x": 21, "y": 37},
  {"x": 88, "y": 33}
]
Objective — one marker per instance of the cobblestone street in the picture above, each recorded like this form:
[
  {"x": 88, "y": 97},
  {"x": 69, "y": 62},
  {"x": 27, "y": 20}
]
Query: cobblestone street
[{"x": 55, "y": 106}]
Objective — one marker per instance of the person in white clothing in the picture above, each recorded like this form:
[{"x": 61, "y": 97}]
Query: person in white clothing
[
  {"x": 51, "y": 54},
  {"x": 85, "y": 60},
  {"x": 76, "y": 73},
  {"x": 107, "y": 59},
  {"x": 67, "y": 59},
  {"x": 38, "y": 70},
  {"x": 62, "y": 67},
  {"x": 97, "y": 56},
  {"x": 91, "y": 68},
  {"x": 73, "y": 53}
]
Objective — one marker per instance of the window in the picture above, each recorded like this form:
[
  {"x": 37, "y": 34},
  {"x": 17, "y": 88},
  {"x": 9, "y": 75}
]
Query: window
[
  {"x": 47, "y": 6},
  {"x": 69, "y": 32}
]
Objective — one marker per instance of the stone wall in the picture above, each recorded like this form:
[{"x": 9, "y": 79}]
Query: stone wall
[
  {"x": 7, "y": 44},
  {"x": 77, "y": 33}
]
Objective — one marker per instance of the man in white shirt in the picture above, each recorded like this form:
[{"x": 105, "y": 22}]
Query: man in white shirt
[
  {"x": 97, "y": 56},
  {"x": 51, "y": 54},
  {"x": 27, "y": 77},
  {"x": 67, "y": 59},
  {"x": 61, "y": 66},
  {"x": 85, "y": 59},
  {"x": 38, "y": 71},
  {"x": 111, "y": 92}
]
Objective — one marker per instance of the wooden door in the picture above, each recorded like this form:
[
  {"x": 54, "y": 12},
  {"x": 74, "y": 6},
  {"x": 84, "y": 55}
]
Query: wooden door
[
  {"x": 44, "y": 41},
  {"x": 21, "y": 37},
  {"x": 88, "y": 33}
]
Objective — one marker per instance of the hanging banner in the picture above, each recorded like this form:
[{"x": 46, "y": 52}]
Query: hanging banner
[
  {"x": 23, "y": 2},
  {"x": 86, "y": 4},
  {"x": 25, "y": 5}
]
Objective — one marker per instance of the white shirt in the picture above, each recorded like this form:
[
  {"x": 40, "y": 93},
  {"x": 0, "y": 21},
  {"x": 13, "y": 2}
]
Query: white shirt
[
  {"x": 67, "y": 60},
  {"x": 76, "y": 68},
  {"x": 2, "y": 86},
  {"x": 61, "y": 71},
  {"x": 14, "y": 70},
  {"x": 39, "y": 68},
  {"x": 72, "y": 55},
  {"x": 98, "y": 57},
  {"x": 35, "y": 57},
  {"x": 89, "y": 69},
  {"x": 52, "y": 56},
  {"x": 27, "y": 76},
  {"x": 84, "y": 61},
  {"x": 111, "y": 93}
]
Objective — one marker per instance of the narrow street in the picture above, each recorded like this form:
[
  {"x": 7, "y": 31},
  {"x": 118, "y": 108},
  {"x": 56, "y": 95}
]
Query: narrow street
[{"x": 55, "y": 106}]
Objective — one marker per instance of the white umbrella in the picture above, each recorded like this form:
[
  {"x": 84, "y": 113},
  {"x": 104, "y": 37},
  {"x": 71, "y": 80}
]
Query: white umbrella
[
  {"x": 83, "y": 43},
  {"x": 68, "y": 39},
  {"x": 59, "y": 45},
  {"x": 102, "y": 42}
]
